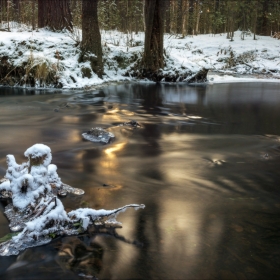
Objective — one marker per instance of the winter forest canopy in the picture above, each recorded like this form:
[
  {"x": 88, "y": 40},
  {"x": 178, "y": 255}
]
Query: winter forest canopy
[{"x": 183, "y": 17}]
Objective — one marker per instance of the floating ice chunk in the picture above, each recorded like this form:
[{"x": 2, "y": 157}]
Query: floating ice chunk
[{"x": 98, "y": 134}]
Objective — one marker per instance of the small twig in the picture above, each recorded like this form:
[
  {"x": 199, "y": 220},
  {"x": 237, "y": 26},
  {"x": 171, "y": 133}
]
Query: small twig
[{"x": 44, "y": 208}]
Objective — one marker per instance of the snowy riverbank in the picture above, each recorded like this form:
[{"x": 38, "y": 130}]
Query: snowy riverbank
[{"x": 56, "y": 55}]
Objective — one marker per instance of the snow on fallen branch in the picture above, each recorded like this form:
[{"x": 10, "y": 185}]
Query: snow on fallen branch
[{"x": 36, "y": 214}]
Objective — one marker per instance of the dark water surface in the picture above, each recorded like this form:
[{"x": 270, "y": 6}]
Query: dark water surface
[{"x": 205, "y": 163}]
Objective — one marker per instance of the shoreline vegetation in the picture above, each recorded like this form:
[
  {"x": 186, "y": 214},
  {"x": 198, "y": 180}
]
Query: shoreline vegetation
[{"x": 46, "y": 59}]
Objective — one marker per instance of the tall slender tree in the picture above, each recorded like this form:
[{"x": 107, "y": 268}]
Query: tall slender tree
[
  {"x": 91, "y": 37},
  {"x": 167, "y": 16}
]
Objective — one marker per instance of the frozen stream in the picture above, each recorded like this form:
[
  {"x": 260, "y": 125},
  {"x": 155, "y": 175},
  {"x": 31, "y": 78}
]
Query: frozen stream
[{"x": 205, "y": 162}]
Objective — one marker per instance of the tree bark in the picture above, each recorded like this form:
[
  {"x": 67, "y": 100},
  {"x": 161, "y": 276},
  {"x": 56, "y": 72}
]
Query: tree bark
[
  {"x": 16, "y": 4},
  {"x": 185, "y": 19},
  {"x": 179, "y": 17},
  {"x": 153, "y": 49},
  {"x": 91, "y": 41},
  {"x": 265, "y": 21},
  {"x": 54, "y": 14},
  {"x": 197, "y": 18},
  {"x": 167, "y": 16},
  {"x": 191, "y": 17}
]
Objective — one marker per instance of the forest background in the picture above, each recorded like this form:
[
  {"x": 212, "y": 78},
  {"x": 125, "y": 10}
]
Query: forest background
[{"x": 83, "y": 20}]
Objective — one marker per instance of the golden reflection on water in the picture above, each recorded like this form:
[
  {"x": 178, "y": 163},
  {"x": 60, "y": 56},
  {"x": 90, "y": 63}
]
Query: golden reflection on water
[
  {"x": 71, "y": 119},
  {"x": 111, "y": 152},
  {"x": 127, "y": 113}
]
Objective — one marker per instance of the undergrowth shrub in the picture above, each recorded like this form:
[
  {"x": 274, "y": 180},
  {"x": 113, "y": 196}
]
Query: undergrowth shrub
[
  {"x": 232, "y": 59},
  {"x": 41, "y": 71}
]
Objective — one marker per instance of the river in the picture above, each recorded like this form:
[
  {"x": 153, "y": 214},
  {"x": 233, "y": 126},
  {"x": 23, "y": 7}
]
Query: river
[{"x": 205, "y": 162}]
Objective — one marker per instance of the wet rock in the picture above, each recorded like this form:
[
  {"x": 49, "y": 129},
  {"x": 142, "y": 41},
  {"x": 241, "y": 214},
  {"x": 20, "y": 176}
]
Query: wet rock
[
  {"x": 99, "y": 135},
  {"x": 132, "y": 123}
]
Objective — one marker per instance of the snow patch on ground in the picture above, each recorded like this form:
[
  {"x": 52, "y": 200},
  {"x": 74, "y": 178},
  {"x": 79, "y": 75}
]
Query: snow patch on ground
[{"x": 188, "y": 55}]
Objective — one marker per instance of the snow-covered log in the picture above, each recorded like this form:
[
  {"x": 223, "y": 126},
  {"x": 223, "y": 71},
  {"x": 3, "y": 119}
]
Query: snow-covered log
[{"x": 36, "y": 214}]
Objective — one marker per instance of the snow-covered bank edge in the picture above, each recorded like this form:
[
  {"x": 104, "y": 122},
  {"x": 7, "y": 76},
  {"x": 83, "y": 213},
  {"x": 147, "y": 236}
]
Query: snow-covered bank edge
[
  {"x": 220, "y": 78},
  {"x": 45, "y": 59}
]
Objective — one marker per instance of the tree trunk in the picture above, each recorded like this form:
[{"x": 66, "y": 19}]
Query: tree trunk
[
  {"x": 179, "y": 17},
  {"x": 255, "y": 18},
  {"x": 91, "y": 41},
  {"x": 197, "y": 18},
  {"x": 153, "y": 49},
  {"x": 123, "y": 16},
  {"x": 185, "y": 19},
  {"x": 265, "y": 26},
  {"x": 54, "y": 14},
  {"x": 16, "y": 5},
  {"x": 167, "y": 16},
  {"x": 33, "y": 14},
  {"x": 191, "y": 17},
  {"x": 8, "y": 14}
]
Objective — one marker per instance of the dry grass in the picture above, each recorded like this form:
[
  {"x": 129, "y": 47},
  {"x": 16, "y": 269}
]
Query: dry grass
[{"x": 41, "y": 70}]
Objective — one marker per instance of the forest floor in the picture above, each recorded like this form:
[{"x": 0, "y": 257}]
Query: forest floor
[{"x": 46, "y": 59}]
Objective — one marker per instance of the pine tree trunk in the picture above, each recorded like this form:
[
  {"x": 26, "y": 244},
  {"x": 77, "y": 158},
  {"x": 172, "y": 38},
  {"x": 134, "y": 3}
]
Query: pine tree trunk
[
  {"x": 179, "y": 16},
  {"x": 33, "y": 14},
  {"x": 54, "y": 14},
  {"x": 16, "y": 5},
  {"x": 197, "y": 19},
  {"x": 255, "y": 17},
  {"x": 185, "y": 18},
  {"x": 265, "y": 25},
  {"x": 91, "y": 41},
  {"x": 153, "y": 49},
  {"x": 191, "y": 17},
  {"x": 167, "y": 16}
]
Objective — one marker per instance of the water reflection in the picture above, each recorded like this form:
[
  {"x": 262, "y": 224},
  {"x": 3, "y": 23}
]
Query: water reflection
[
  {"x": 68, "y": 257},
  {"x": 204, "y": 161}
]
